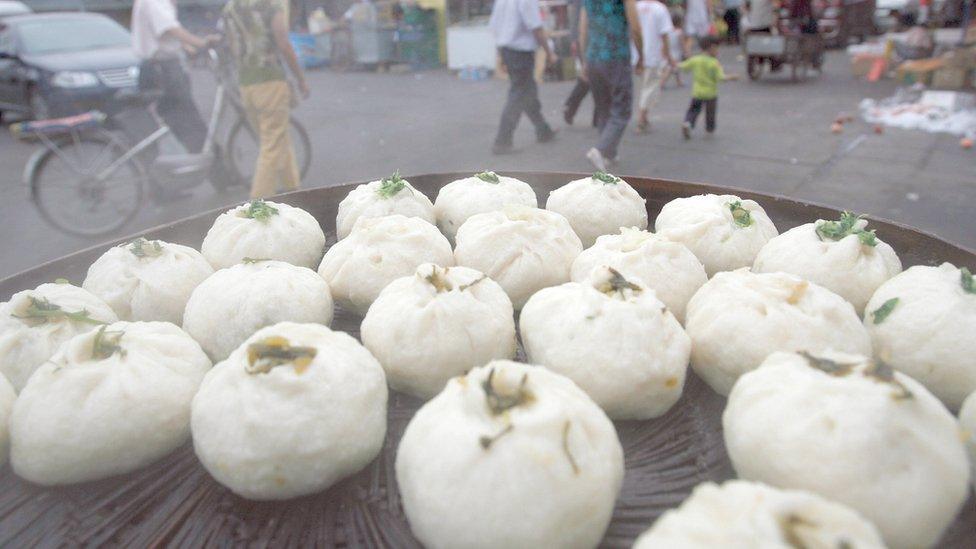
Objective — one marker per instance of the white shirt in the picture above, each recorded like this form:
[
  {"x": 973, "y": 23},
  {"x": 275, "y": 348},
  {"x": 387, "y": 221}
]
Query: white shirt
[
  {"x": 655, "y": 24},
  {"x": 150, "y": 20},
  {"x": 761, "y": 14},
  {"x": 512, "y": 23}
]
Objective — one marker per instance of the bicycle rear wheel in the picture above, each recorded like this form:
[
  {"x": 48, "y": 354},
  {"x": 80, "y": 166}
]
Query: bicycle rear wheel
[
  {"x": 72, "y": 191},
  {"x": 243, "y": 146}
]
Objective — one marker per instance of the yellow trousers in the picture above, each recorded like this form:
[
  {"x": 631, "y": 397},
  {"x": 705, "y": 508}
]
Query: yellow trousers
[{"x": 268, "y": 106}]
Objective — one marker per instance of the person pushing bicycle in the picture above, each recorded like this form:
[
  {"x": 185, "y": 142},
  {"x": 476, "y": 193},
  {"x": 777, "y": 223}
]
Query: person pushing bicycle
[{"x": 257, "y": 37}]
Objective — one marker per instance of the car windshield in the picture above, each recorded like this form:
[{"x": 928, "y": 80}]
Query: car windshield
[{"x": 71, "y": 34}]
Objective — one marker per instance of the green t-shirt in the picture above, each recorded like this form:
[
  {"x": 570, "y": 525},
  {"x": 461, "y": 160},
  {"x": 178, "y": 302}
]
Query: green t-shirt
[
  {"x": 248, "y": 27},
  {"x": 706, "y": 73}
]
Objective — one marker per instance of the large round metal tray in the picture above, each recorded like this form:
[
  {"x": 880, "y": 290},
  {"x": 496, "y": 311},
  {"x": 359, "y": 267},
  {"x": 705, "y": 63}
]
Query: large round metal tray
[{"x": 175, "y": 502}]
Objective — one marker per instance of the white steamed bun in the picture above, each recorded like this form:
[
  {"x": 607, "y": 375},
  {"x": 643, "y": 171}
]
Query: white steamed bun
[
  {"x": 293, "y": 410},
  {"x": 967, "y": 420},
  {"x": 484, "y": 192},
  {"x": 34, "y": 324},
  {"x": 110, "y": 401},
  {"x": 669, "y": 268},
  {"x": 613, "y": 338},
  {"x": 723, "y": 231},
  {"x": 436, "y": 324},
  {"x": 598, "y": 205},
  {"x": 739, "y": 318},
  {"x": 147, "y": 279},
  {"x": 235, "y": 302},
  {"x": 261, "y": 229},
  {"x": 513, "y": 456},
  {"x": 378, "y": 251},
  {"x": 7, "y": 398},
  {"x": 523, "y": 249},
  {"x": 856, "y": 432},
  {"x": 750, "y": 514},
  {"x": 388, "y": 196},
  {"x": 917, "y": 321},
  {"x": 840, "y": 256}
]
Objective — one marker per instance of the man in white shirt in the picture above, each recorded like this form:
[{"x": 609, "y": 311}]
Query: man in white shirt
[
  {"x": 655, "y": 24},
  {"x": 762, "y": 15},
  {"x": 517, "y": 28},
  {"x": 158, "y": 39}
]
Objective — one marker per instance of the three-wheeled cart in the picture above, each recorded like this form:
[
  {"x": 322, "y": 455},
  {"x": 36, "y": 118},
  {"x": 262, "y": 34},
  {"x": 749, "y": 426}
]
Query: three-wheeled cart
[{"x": 800, "y": 51}]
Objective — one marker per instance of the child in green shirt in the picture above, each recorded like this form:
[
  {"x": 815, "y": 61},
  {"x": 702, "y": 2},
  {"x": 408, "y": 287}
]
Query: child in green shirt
[{"x": 706, "y": 73}]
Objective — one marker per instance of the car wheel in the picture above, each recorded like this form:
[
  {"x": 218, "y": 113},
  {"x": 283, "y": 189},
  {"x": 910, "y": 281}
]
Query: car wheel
[{"x": 39, "y": 109}]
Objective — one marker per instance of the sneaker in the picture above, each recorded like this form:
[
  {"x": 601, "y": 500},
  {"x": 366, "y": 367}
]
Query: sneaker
[
  {"x": 596, "y": 158},
  {"x": 686, "y": 130},
  {"x": 546, "y": 137},
  {"x": 500, "y": 149}
]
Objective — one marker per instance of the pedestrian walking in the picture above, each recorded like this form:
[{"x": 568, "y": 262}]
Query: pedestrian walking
[
  {"x": 698, "y": 20},
  {"x": 655, "y": 25},
  {"x": 582, "y": 88},
  {"x": 257, "y": 35},
  {"x": 731, "y": 17},
  {"x": 678, "y": 47},
  {"x": 606, "y": 30},
  {"x": 517, "y": 28},
  {"x": 706, "y": 73},
  {"x": 159, "y": 39}
]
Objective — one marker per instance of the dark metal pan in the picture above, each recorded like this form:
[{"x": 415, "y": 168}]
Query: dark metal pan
[{"x": 175, "y": 502}]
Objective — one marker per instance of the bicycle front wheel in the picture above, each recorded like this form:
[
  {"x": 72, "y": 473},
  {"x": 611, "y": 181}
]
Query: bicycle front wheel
[
  {"x": 243, "y": 146},
  {"x": 79, "y": 187}
]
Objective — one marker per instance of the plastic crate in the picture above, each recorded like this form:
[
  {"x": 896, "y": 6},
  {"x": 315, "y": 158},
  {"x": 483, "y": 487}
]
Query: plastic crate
[{"x": 761, "y": 44}]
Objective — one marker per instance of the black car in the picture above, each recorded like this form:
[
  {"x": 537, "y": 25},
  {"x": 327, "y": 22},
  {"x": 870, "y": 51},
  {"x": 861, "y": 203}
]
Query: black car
[{"x": 59, "y": 64}]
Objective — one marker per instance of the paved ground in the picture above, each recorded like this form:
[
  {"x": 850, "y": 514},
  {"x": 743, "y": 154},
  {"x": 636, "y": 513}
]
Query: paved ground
[{"x": 773, "y": 136}]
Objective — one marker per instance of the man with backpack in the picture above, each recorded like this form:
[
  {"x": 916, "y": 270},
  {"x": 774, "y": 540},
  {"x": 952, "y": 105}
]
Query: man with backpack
[{"x": 257, "y": 35}]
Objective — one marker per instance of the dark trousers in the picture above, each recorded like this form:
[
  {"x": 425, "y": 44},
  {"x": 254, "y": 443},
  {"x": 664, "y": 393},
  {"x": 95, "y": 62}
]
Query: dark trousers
[
  {"x": 575, "y": 99},
  {"x": 523, "y": 96},
  {"x": 711, "y": 109},
  {"x": 732, "y": 21},
  {"x": 613, "y": 94},
  {"x": 176, "y": 105}
]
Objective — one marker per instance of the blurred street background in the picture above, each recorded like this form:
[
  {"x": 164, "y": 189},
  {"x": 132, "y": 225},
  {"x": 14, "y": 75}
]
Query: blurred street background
[{"x": 774, "y": 136}]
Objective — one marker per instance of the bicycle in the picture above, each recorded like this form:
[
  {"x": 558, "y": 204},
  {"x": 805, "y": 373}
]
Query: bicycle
[{"x": 91, "y": 179}]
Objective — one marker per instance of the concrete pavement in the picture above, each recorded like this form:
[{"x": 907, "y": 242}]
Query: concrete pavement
[{"x": 773, "y": 136}]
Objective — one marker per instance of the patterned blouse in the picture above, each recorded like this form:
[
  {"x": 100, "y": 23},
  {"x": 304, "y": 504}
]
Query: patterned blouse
[{"x": 608, "y": 37}]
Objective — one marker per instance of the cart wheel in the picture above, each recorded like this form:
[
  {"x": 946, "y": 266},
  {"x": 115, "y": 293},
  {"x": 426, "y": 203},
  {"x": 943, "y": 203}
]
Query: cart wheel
[{"x": 754, "y": 67}]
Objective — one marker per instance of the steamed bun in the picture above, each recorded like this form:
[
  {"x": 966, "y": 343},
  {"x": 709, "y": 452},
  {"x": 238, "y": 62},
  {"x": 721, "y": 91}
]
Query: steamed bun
[
  {"x": 739, "y": 318},
  {"x": 723, "y": 231},
  {"x": 147, "y": 279},
  {"x": 613, "y": 338},
  {"x": 917, "y": 320},
  {"x": 293, "y": 410},
  {"x": 750, "y": 514},
  {"x": 7, "y": 398},
  {"x": 840, "y": 256},
  {"x": 110, "y": 401},
  {"x": 388, "y": 196},
  {"x": 513, "y": 456},
  {"x": 856, "y": 432},
  {"x": 967, "y": 420},
  {"x": 484, "y": 192},
  {"x": 35, "y": 323},
  {"x": 669, "y": 268},
  {"x": 378, "y": 251},
  {"x": 436, "y": 324},
  {"x": 523, "y": 249},
  {"x": 235, "y": 302},
  {"x": 598, "y": 205},
  {"x": 261, "y": 229}
]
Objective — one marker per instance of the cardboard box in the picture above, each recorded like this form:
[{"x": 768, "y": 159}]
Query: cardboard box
[
  {"x": 951, "y": 78},
  {"x": 919, "y": 70}
]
